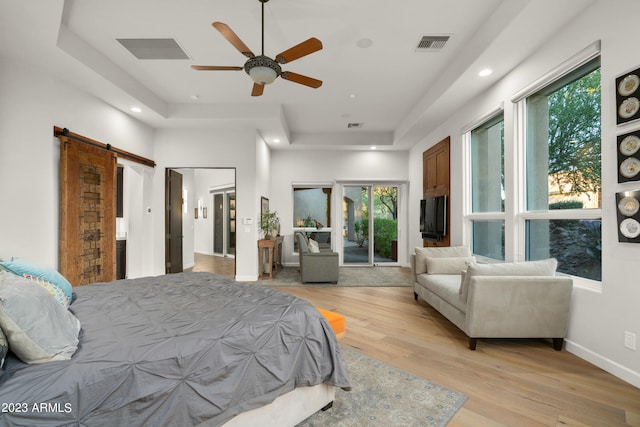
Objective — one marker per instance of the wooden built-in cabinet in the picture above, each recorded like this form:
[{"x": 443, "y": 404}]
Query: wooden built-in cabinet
[{"x": 436, "y": 181}]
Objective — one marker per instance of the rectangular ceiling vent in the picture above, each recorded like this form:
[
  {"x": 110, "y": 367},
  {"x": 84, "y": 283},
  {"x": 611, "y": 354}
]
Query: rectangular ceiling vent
[
  {"x": 154, "y": 48},
  {"x": 354, "y": 125},
  {"x": 431, "y": 43}
]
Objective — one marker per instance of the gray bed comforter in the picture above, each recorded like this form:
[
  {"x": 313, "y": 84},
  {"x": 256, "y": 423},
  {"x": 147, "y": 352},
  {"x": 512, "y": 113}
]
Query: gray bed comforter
[{"x": 177, "y": 350}]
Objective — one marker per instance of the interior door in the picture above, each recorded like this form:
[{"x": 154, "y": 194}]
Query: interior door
[
  {"x": 231, "y": 226},
  {"x": 87, "y": 241},
  {"x": 173, "y": 222},
  {"x": 218, "y": 223}
]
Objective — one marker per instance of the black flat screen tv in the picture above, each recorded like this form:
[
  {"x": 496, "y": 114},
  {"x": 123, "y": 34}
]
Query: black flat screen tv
[{"x": 433, "y": 218}]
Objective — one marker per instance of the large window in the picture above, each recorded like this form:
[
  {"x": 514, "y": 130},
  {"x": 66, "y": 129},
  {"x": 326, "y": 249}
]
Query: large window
[
  {"x": 563, "y": 191},
  {"x": 534, "y": 190},
  {"x": 487, "y": 188},
  {"x": 312, "y": 212}
]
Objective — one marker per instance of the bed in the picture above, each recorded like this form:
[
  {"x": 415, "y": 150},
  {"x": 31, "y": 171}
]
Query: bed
[{"x": 188, "y": 349}]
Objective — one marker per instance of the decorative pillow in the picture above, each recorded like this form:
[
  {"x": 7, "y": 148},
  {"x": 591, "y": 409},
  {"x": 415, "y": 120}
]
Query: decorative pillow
[
  {"x": 313, "y": 246},
  {"x": 454, "y": 265},
  {"x": 54, "y": 290},
  {"x": 4, "y": 348},
  {"x": 37, "y": 328},
  {"x": 303, "y": 246},
  {"x": 438, "y": 252},
  {"x": 545, "y": 267},
  {"x": 21, "y": 267}
]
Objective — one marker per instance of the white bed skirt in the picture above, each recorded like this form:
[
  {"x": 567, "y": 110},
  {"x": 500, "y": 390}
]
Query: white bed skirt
[{"x": 287, "y": 410}]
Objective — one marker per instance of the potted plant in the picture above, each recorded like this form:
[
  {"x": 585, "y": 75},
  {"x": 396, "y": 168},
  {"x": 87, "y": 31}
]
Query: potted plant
[{"x": 269, "y": 224}]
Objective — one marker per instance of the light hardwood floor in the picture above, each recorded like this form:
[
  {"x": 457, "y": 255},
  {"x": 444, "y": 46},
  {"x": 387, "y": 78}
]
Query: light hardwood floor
[
  {"x": 224, "y": 266},
  {"x": 508, "y": 382}
]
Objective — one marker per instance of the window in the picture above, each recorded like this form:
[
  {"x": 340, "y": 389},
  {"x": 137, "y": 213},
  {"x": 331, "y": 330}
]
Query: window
[
  {"x": 312, "y": 212},
  {"x": 562, "y": 159},
  {"x": 487, "y": 188}
]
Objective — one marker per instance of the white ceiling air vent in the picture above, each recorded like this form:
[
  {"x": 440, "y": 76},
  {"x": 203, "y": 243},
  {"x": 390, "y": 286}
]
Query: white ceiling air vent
[
  {"x": 154, "y": 48},
  {"x": 354, "y": 125},
  {"x": 431, "y": 43}
]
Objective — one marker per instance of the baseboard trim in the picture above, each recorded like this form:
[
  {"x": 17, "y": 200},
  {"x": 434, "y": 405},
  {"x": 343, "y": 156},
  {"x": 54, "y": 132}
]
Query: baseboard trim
[
  {"x": 246, "y": 278},
  {"x": 608, "y": 365}
]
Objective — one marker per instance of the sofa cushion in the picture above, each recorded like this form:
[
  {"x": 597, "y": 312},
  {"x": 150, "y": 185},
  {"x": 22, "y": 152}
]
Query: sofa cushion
[
  {"x": 454, "y": 265},
  {"x": 303, "y": 246},
  {"x": 545, "y": 267},
  {"x": 446, "y": 286},
  {"x": 438, "y": 252}
]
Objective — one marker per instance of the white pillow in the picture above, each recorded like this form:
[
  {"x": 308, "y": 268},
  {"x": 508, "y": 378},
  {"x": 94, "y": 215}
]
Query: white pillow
[
  {"x": 545, "y": 267},
  {"x": 37, "y": 327},
  {"x": 453, "y": 265},
  {"x": 438, "y": 252},
  {"x": 313, "y": 246}
]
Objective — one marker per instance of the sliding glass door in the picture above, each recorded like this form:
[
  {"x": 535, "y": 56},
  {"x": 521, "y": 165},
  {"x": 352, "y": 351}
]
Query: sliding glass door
[{"x": 370, "y": 224}]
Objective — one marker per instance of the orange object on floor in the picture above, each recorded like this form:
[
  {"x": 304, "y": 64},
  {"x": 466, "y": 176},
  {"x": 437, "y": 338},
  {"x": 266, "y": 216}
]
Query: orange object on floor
[{"x": 337, "y": 321}]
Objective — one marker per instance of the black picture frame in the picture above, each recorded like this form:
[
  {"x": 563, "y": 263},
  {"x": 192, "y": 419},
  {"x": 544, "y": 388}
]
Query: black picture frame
[
  {"x": 264, "y": 205},
  {"x": 628, "y": 215},
  {"x": 628, "y": 97},
  {"x": 628, "y": 148}
]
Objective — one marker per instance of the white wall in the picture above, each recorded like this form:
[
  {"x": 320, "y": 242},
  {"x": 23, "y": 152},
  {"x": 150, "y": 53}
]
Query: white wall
[
  {"x": 288, "y": 167},
  {"x": 203, "y": 148},
  {"x": 207, "y": 179},
  {"x": 598, "y": 319},
  {"x": 31, "y": 104}
]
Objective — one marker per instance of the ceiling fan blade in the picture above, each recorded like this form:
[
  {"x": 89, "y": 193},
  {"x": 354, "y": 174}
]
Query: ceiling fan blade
[
  {"x": 232, "y": 38},
  {"x": 257, "y": 89},
  {"x": 299, "y": 50},
  {"x": 215, "y": 68},
  {"x": 303, "y": 80}
]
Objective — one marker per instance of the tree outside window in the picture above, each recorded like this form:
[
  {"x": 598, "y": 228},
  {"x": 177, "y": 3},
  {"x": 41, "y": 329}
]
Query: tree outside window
[{"x": 563, "y": 153}]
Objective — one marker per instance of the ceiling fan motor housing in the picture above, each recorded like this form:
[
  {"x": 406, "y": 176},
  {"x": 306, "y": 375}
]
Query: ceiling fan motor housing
[{"x": 258, "y": 65}]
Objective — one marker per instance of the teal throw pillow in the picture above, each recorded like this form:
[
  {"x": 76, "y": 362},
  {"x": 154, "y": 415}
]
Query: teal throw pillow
[{"x": 21, "y": 267}]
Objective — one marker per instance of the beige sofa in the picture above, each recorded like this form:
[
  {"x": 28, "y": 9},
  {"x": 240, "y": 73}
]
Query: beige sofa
[{"x": 502, "y": 300}]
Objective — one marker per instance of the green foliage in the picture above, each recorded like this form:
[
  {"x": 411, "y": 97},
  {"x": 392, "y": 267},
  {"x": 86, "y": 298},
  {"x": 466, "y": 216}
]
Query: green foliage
[
  {"x": 567, "y": 204},
  {"x": 385, "y": 230},
  {"x": 574, "y": 134},
  {"x": 362, "y": 230},
  {"x": 269, "y": 223}
]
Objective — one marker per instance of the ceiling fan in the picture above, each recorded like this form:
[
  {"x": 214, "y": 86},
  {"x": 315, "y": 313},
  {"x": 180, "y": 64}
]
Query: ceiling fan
[{"x": 262, "y": 69}]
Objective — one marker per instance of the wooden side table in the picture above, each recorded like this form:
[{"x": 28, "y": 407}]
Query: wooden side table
[{"x": 273, "y": 249}]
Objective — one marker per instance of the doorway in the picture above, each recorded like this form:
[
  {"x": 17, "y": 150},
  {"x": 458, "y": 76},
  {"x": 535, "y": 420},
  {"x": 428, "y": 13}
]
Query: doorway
[
  {"x": 224, "y": 223},
  {"x": 370, "y": 225},
  {"x": 208, "y": 238}
]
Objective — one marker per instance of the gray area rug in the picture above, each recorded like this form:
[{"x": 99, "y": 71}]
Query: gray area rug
[
  {"x": 383, "y": 395},
  {"x": 349, "y": 276}
]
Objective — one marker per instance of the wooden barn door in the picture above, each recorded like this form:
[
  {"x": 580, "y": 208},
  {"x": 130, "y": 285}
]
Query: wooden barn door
[{"x": 87, "y": 212}]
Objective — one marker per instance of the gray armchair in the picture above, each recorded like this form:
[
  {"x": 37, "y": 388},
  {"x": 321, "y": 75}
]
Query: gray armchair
[{"x": 316, "y": 267}]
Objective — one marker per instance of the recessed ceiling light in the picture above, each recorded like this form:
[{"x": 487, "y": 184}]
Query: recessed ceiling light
[
  {"x": 195, "y": 97},
  {"x": 373, "y": 147},
  {"x": 276, "y": 140},
  {"x": 136, "y": 109},
  {"x": 352, "y": 96},
  {"x": 485, "y": 72}
]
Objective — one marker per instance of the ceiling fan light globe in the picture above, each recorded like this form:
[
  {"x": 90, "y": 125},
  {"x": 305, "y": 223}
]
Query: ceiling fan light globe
[{"x": 263, "y": 75}]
